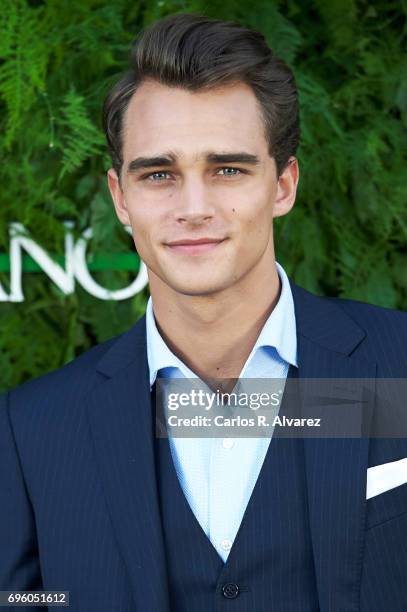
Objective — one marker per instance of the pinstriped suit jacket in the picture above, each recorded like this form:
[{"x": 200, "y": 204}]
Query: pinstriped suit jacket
[{"x": 79, "y": 509}]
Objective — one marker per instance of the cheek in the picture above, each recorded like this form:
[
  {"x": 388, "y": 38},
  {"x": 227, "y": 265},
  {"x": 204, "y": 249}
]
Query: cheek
[
  {"x": 255, "y": 230},
  {"x": 142, "y": 225},
  {"x": 142, "y": 214},
  {"x": 256, "y": 234},
  {"x": 254, "y": 217},
  {"x": 252, "y": 202}
]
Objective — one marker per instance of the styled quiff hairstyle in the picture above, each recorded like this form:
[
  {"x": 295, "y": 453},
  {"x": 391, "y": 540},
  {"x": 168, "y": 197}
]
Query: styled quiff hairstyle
[{"x": 197, "y": 53}]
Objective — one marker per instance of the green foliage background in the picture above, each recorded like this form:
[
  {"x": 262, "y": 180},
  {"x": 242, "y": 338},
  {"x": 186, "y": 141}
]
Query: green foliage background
[{"x": 347, "y": 234}]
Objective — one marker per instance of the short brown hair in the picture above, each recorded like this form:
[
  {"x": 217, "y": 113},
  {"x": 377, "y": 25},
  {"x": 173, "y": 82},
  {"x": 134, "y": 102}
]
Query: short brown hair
[{"x": 194, "y": 52}]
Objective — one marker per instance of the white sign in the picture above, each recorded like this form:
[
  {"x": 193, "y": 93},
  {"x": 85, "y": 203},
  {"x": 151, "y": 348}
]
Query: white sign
[{"x": 64, "y": 278}]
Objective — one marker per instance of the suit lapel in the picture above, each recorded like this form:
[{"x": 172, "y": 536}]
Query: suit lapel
[
  {"x": 336, "y": 467},
  {"x": 120, "y": 419}
]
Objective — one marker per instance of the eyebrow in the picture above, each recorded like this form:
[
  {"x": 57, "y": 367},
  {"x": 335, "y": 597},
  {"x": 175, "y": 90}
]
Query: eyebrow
[{"x": 170, "y": 159}]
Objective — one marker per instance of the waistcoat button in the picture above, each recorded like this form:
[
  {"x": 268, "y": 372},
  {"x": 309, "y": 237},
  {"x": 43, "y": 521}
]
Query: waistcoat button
[{"x": 230, "y": 590}]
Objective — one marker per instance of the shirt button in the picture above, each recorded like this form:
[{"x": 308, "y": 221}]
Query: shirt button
[
  {"x": 230, "y": 590},
  {"x": 227, "y": 443},
  {"x": 226, "y": 544}
]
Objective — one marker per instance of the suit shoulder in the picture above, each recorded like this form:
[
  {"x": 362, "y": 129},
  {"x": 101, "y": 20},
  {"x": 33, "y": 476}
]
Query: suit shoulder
[
  {"x": 370, "y": 316},
  {"x": 65, "y": 389},
  {"x": 73, "y": 378},
  {"x": 385, "y": 335}
]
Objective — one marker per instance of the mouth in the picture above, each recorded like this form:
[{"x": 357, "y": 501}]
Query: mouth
[{"x": 195, "y": 247}]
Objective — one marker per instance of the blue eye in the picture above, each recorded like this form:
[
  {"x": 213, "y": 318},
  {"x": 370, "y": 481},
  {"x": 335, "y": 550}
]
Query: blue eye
[
  {"x": 157, "y": 177},
  {"x": 230, "y": 171}
]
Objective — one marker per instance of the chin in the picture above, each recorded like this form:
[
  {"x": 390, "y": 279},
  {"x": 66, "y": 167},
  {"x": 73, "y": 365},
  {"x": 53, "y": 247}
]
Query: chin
[{"x": 198, "y": 288}]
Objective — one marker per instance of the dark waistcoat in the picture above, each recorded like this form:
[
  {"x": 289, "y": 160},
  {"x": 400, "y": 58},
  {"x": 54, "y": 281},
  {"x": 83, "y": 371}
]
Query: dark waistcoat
[{"x": 270, "y": 567}]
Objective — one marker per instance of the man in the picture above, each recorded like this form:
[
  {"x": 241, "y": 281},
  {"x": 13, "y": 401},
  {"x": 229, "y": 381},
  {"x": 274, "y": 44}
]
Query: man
[{"x": 203, "y": 131}]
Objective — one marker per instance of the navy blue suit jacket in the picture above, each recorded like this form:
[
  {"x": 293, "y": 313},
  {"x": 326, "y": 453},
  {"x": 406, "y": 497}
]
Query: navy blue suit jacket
[{"x": 79, "y": 509}]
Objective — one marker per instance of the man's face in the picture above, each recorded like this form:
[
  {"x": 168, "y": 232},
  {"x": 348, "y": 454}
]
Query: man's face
[{"x": 196, "y": 167}]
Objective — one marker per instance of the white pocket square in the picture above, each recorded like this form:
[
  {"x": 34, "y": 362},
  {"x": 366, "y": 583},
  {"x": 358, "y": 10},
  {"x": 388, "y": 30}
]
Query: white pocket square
[{"x": 382, "y": 478}]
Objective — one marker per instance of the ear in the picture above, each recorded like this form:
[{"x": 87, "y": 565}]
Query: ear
[
  {"x": 286, "y": 188},
  {"x": 118, "y": 197}
]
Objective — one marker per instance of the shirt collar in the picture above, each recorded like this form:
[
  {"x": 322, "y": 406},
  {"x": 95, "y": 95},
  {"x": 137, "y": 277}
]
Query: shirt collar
[{"x": 279, "y": 331}]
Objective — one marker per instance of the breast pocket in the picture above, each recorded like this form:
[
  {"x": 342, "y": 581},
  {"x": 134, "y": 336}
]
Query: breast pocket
[
  {"x": 386, "y": 506},
  {"x": 384, "y": 570}
]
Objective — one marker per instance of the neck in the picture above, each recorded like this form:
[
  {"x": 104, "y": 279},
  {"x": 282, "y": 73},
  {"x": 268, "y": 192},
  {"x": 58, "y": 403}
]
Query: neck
[{"x": 214, "y": 335}]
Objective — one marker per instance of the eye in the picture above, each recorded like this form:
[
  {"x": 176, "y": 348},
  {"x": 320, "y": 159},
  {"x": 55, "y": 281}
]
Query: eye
[
  {"x": 157, "y": 177},
  {"x": 229, "y": 171}
]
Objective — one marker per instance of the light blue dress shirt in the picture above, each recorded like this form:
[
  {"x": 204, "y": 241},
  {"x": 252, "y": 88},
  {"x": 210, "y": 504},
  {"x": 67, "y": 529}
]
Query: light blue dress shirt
[{"x": 218, "y": 475}]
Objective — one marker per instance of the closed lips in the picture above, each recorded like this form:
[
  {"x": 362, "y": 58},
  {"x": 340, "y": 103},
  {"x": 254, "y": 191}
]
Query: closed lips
[
  {"x": 188, "y": 242},
  {"x": 195, "y": 247}
]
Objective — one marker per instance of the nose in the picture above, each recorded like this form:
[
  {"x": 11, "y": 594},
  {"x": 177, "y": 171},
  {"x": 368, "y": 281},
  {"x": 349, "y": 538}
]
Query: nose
[{"x": 195, "y": 204}]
